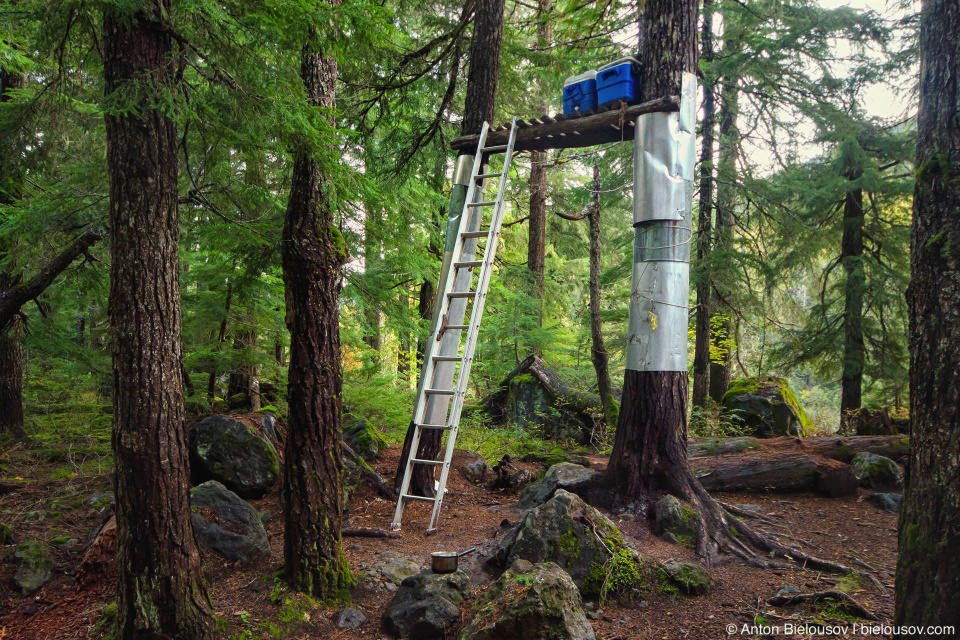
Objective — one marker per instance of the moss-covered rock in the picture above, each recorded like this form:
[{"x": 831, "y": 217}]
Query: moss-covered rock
[
  {"x": 877, "y": 472},
  {"x": 565, "y": 475},
  {"x": 228, "y": 526},
  {"x": 34, "y": 566},
  {"x": 567, "y": 531},
  {"x": 672, "y": 517},
  {"x": 6, "y": 534},
  {"x": 691, "y": 579},
  {"x": 363, "y": 437},
  {"x": 530, "y": 602},
  {"x": 767, "y": 406},
  {"x": 229, "y": 452}
]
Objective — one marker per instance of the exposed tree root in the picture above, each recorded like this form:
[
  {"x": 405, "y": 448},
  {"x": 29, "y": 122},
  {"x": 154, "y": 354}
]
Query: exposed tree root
[{"x": 720, "y": 533}]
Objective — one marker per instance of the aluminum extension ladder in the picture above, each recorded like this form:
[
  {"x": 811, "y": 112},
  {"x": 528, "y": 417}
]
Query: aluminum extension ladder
[{"x": 444, "y": 377}]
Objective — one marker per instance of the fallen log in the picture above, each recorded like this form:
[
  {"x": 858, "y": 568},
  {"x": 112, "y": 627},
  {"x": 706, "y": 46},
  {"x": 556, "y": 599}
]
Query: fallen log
[
  {"x": 782, "y": 472},
  {"x": 835, "y": 447},
  {"x": 366, "y": 471},
  {"x": 846, "y": 602}
]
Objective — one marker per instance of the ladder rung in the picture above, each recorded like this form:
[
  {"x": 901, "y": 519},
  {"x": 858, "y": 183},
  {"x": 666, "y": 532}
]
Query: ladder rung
[
  {"x": 462, "y": 294},
  {"x": 424, "y": 498},
  {"x": 447, "y": 358},
  {"x": 440, "y": 392},
  {"x": 468, "y": 265},
  {"x": 485, "y": 203},
  {"x": 499, "y": 147},
  {"x": 457, "y": 326},
  {"x": 445, "y": 427},
  {"x": 489, "y": 175},
  {"x": 419, "y": 461},
  {"x": 475, "y": 234}
]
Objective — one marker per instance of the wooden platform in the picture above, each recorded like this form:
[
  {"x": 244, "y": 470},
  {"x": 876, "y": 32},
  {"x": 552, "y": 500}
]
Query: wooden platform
[{"x": 613, "y": 123}]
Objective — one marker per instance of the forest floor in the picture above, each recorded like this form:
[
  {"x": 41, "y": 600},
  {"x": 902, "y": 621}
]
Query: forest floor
[{"x": 252, "y": 605}]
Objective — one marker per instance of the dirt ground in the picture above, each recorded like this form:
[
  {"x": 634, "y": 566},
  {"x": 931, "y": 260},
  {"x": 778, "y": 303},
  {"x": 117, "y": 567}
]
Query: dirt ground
[{"x": 845, "y": 530}]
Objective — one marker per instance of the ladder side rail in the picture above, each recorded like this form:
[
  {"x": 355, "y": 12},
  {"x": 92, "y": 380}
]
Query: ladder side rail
[
  {"x": 483, "y": 282},
  {"x": 429, "y": 367}
]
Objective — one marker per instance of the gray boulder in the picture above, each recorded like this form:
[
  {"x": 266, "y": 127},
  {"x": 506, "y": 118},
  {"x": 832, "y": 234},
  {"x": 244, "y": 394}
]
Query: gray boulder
[
  {"x": 767, "y": 407},
  {"x": 567, "y": 531},
  {"x": 690, "y": 578},
  {"x": 886, "y": 501},
  {"x": 34, "y": 566},
  {"x": 350, "y": 618},
  {"x": 363, "y": 437},
  {"x": 229, "y": 452},
  {"x": 227, "y": 525},
  {"x": 565, "y": 475},
  {"x": 530, "y": 602},
  {"x": 427, "y": 604},
  {"x": 877, "y": 472}
]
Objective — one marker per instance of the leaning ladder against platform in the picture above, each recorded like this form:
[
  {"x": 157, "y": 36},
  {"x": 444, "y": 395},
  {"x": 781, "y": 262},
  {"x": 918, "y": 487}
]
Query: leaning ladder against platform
[{"x": 446, "y": 368}]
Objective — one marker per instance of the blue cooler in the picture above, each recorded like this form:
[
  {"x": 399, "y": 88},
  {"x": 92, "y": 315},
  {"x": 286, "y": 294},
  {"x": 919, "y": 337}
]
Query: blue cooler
[
  {"x": 580, "y": 93},
  {"x": 618, "y": 80}
]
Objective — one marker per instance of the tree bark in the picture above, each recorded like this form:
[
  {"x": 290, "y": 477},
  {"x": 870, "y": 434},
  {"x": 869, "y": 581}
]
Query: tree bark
[
  {"x": 11, "y": 380},
  {"x": 160, "y": 590},
  {"x": 928, "y": 568},
  {"x": 701, "y": 358},
  {"x": 851, "y": 257},
  {"x": 722, "y": 326},
  {"x": 425, "y": 309},
  {"x": 313, "y": 253},
  {"x": 479, "y": 107},
  {"x": 537, "y": 221},
  {"x": 598, "y": 351}
]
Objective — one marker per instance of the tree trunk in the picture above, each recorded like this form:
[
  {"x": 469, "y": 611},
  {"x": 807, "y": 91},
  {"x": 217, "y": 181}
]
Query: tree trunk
[
  {"x": 221, "y": 337},
  {"x": 244, "y": 379},
  {"x": 11, "y": 381},
  {"x": 650, "y": 442},
  {"x": 425, "y": 309},
  {"x": 313, "y": 254},
  {"x": 598, "y": 351},
  {"x": 722, "y": 324},
  {"x": 537, "y": 222},
  {"x": 479, "y": 107},
  {"x": 403, "y": 339},
  {"x": 851, "y": 257},
  {"x": 701, "y": 358},
  {"x": 371, "y": 260},
  {"x": 928, "y": 569},
  {"x": 11, "y": 349},
  {"x": 161, "y": 593}
]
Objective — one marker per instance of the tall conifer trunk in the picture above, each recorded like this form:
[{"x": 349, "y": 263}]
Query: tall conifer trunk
[
  {"x": 722, "y": 329},
  {"x": 650, "y": 441},
  {"x": 160, "y": 591},
  {"x": 701, "y": 358},
  {"x": 313, "y": 254},
  {"x": 851, "y": 257},
  {"x": 598, "y": 350},
  {"x": 11, "y": 349},
  {"x": 928, "y": 569},
  {"x": 537, "y": 223}
]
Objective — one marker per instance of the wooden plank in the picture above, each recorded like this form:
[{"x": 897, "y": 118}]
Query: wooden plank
[{"x": 587, "y": 130}]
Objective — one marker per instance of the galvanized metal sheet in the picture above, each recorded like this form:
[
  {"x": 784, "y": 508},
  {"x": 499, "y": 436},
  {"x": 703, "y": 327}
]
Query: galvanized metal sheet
[
  {"x": 461, "y": 171},
  {"x": 662, "y": 211},
  {"x": 664, "y": 156},
  {"x": 658, "y": 317}
]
